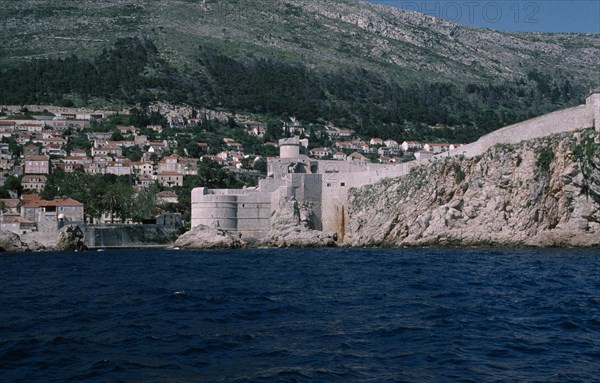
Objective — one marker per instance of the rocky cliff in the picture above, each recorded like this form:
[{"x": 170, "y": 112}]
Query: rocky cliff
[
  {"x": 290, "y": 227},
  {"x": 543, "y": 192}
]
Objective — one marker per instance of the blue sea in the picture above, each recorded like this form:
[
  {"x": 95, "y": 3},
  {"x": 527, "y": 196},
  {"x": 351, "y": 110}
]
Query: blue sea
[{"x": 325, "y": 315}]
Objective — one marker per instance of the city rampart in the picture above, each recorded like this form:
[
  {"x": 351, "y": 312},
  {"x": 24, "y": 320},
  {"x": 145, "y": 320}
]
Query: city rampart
[
  {"x": 566, "y": 120},
  {"x": 336, "y": 186},
  {"x": 322, "y": 186}
]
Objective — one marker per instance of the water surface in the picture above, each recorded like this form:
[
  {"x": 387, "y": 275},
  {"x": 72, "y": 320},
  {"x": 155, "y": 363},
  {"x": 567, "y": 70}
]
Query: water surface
[{"x": 339, "y": 315}]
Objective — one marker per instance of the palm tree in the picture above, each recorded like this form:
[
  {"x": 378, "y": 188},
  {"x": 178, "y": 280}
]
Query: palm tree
[{"x": 112, "y": 201}]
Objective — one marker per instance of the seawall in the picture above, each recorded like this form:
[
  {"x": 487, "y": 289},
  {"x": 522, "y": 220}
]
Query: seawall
[{"x": 129, "y": 236}]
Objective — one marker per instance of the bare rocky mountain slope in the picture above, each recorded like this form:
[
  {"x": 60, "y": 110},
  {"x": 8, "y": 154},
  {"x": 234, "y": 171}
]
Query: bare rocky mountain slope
[
  {"x": 543, "y": 192},
  {"x": 402, "y": 44}
]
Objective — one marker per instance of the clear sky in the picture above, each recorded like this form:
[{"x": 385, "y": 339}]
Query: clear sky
[{"x": 512, "y": 15}]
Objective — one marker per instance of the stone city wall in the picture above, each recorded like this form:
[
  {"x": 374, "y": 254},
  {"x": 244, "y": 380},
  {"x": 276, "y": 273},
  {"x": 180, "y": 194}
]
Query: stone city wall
[
  {"x": 576, "y": 118},
  {"x": 335, "y": 192},
  {"x": 323, "y": 184}
]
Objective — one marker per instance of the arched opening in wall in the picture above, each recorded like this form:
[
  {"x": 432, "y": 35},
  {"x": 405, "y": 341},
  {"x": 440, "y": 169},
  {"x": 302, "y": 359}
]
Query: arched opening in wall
[{"x": 297, "y": 167}]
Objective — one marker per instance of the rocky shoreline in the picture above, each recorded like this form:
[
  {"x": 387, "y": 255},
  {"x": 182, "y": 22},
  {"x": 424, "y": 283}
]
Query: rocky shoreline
[
  {"x": 70, "y": 238},
  {"x": 540, "y": 193}
]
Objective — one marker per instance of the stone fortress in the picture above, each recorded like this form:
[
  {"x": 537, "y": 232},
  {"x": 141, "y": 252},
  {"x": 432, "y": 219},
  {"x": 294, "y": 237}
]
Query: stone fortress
[{"x": 321, "y": 185}]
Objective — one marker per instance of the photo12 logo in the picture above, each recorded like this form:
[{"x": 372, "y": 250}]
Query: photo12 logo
[{"x": 478, "y": 12}]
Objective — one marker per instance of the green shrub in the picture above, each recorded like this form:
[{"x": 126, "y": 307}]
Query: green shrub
[
  {"x": 544, "y": 159},
  {"x": 459, "y": 175}
]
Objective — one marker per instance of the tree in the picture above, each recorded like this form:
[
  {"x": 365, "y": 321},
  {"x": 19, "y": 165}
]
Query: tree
[
  {"x": 112, "y": 200},
  {"x": 116, "y": 136},
  {"x": 260, "y": 165},
  {"x": 134, "y": 153},
  {"x": 12, "y": 183},
  {"x": 143, "y": 205},
  {"x": 212, "y": 175}
]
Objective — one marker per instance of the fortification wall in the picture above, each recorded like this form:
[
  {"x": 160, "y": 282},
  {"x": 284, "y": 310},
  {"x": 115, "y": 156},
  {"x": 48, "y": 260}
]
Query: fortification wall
[
  {"x": 567, "y": 120},
  {"x": 254, "y": 215},
  {"x": 214, "y": 210},
  {"x": 324, "y": 185},
  {"x": 334, "y": 197},
  {"x": 245, "y": 211},
  {"x": 129, "y": 235},
  {"x": 593, "y": 103}
]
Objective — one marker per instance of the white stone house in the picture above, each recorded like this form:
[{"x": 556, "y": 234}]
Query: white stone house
[
  {"x": 384, "y": 151},
  {"x": 170, "y": 179},
  {"x": 118, "y": 168},
  {"x": 58, "y": 209},
  {"x": 376, "y": 142},
  {"x": 37, "y": 165},
  {"x": 34, "y": 182},
  {"x": 107, "y": 150},
  {"x": 436, "y": 148},
  {"x": 456, "y": 146},
  {"x": 411, "y": 145},
  {"x": 142, "y": 168},
  {"x": 423, "y": 154},
  {"x": 7, "y": 128},
  {"x": 78, "y": 153}
]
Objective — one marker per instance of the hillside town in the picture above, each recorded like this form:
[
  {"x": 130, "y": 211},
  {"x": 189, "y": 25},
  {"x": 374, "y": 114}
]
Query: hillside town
[{"x": 159, "y": 157}]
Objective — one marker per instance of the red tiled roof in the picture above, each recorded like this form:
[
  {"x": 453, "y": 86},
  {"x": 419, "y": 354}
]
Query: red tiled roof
[
  {"x": 54, "y": 202},
  {"x": 37, "y": 158},
  {"x": 10, "y": 202},
  {"x": 29, "y": 197}
]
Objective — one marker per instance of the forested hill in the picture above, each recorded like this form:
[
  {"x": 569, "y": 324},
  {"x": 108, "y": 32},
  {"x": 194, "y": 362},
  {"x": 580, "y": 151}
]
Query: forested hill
[{"x": 380, "y": 70}]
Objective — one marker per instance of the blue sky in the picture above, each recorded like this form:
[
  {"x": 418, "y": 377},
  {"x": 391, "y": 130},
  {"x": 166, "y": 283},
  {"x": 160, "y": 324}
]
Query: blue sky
[{"x": 512, "y": 15}]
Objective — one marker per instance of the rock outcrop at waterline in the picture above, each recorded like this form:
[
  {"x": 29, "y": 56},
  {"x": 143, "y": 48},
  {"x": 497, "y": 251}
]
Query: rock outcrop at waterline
[
  {"x": 290, "y": 227},
  {"x": 11, "y": 242},
  {"x": 543, "y": 192},
  {"x": 71, "y": 238},
  {"x": 204, "y": 237}
]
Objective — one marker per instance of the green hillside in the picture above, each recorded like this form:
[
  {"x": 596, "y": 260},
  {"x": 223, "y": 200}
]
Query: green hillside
[{"x": 380, "y": 70}]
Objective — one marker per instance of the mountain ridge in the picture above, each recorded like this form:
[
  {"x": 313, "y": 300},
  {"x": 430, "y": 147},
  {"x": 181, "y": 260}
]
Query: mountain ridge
[
  {"x": 353, "y": 63},
  {"x": 341, "y": 30}
]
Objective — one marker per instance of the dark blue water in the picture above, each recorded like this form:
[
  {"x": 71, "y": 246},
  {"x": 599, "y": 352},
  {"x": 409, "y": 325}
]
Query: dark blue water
[{"x": 301, "y": 315}]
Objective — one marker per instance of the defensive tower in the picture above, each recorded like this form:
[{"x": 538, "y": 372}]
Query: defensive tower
[{"x": 593, "y": 103}]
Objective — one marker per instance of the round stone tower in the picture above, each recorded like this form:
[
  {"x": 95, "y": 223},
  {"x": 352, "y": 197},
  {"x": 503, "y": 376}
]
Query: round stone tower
[{"x": 289, "y": 147}]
